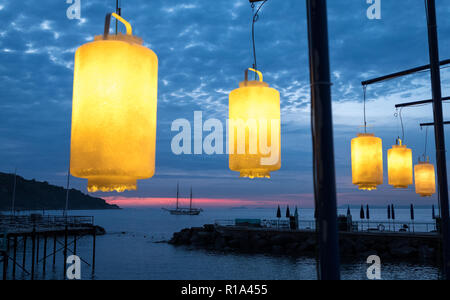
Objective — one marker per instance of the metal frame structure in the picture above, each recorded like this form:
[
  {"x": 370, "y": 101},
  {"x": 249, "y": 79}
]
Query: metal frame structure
[{"x": 438, "y": 124}]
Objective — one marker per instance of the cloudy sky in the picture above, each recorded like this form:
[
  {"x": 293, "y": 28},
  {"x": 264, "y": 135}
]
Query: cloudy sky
[{"x": 203, "y": 48}]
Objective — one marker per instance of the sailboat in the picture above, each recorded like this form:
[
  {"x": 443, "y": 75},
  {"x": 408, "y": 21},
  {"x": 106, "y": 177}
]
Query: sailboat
[{"x": 182, "y": 210}]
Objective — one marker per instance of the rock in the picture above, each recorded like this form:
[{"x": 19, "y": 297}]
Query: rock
[
  {"x": 233, "y": 244},
  {"x": 219, "y": 243},
  {"x": 426, "y": 252},
  {"x": 404, "y": 251},
  {"x": 276, "y": 249},
  {"x": 281, "y": 239},
  {"x": 209, "y": 227}
]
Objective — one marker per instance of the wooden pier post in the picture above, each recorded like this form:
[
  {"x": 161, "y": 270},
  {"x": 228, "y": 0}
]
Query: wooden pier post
[
  {"x": 65, "y": 251},
  {"x": 54, "y": 249},
  {"x": 33, "y": 249},
  {"x": 94, "y": 234},
  {"x": 37, "y": 248},
  {"x": 14, "y": 258},
  {"x": 45, "y": 254},
  {"x": 24, "y": 250},
  {"x": 5, "y": 265},
  {"x": 74, "y": 244}
]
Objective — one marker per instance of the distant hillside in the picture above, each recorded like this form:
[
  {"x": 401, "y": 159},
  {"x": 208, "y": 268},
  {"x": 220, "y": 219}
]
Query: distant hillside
[{"x": 36, "y": 195}]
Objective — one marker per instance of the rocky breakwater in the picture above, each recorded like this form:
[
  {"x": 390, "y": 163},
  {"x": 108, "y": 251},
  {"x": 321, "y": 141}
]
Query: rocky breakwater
[{"x": 395, "y": 246}]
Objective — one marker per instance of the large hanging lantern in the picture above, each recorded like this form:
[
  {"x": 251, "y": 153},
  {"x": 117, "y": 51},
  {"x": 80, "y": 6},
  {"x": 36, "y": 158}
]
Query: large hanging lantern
[
  {"x": 114, "y": 111},
  {"x": 367, "y": 161},
  {"x": 254, "y": 128},
  {"x": 425, "y": 180},
  {"x": 400, "y": 166}
]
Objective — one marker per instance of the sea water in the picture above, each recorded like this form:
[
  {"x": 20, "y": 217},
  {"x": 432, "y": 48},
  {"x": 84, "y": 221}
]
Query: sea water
[{"x": 131, "y": 249}]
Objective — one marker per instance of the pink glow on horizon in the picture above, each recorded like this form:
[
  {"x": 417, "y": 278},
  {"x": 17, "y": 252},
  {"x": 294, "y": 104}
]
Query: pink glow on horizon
[{"x": 197, "y": 202}]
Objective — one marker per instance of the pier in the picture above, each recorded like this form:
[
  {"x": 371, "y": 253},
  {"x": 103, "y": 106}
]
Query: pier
[
  {"x": 359, "y": 243},
  {"x": 29, "y": 243}
]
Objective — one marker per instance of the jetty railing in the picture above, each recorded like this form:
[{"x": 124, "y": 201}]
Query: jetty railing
[
  {"x": 25, "y": 223},
  {"x": 354, "y": 226}
]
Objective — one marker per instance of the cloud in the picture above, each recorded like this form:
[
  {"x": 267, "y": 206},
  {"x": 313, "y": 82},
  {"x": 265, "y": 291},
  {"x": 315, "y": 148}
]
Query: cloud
[{"x": 203, "y": 50}]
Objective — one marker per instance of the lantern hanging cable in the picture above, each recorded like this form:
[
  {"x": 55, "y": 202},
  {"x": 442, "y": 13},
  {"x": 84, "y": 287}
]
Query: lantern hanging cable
[
  {"x": 364, "y": 100},
  {"x": 254, "y": 20},
  {"x": 426, "y": 144},
  {"x": 118, "y": 12},
  {"x": 401, "y": 123}
]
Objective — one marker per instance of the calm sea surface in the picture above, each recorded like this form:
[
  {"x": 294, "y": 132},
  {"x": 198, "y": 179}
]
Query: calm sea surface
[{"x": 129, "y": 251}]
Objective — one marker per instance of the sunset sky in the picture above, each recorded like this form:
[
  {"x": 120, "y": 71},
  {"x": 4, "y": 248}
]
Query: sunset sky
[{"x": 203, "y": 48}]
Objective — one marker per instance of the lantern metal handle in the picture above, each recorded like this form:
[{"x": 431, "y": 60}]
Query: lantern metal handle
[
  {"x": 122, "y": 20},
  {"x": 260, "y": 75}
]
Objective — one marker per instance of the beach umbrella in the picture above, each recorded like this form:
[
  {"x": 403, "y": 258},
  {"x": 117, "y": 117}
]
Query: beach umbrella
[
  {"x": 367, "y": 212},
  {"x": 389, "y": 212},
  {"x": 296, "y": 212},
  {"x": 278, "y": 212},
  {"x": 288, "y": 212},
  {"x": 393, "y": 212},
  {"x": 434, "y": 213},
  {"x": 361, "y": 214},
  {"x": 412, "y": 212}
]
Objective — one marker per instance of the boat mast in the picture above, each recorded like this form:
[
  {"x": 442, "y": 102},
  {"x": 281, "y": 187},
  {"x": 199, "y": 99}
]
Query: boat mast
[
  {"x": 190, "y": 203},
  {"x": 178, "y": 189}
]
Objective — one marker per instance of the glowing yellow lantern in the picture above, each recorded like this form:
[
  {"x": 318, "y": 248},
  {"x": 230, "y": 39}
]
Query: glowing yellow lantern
[
  {"x": 367, "y": 161},
  {"x": 254, "y": 128},
  {"x": 114, "y": 111},
  {"x": 425, "y": 179},
  {"x": 400, "y": 166}
]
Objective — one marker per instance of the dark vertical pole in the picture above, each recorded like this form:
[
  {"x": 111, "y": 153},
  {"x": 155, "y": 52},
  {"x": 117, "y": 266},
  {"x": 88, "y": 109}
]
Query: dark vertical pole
[
  {"x": 37, "y": 249},
  {"x": 54, "y": 249},
  {"x": 24, "y": 250},
  {"x": 74, "y": 244},
  {"x": 94, "y": 235},
  {"x": 65, "y": 251},
  {"x": 33, "y": 249},
  {"x": 14, "y": 257},
  {"x": 45, "y": 254},
  {"x": 323, "y": 145},
  {"x": 5, "y": 265},
  {"x": 441, "y": 163}
]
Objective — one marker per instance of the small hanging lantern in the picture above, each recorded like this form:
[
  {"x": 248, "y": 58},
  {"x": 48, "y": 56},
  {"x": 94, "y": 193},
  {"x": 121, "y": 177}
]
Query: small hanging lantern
[
  {"x": 400, "y": 166},
  {"x": 254, "y": 128},
  {"x": 425, "y": 180},
  {"x": 114, "y": 111},
  {"x": 367, "y": 161}
]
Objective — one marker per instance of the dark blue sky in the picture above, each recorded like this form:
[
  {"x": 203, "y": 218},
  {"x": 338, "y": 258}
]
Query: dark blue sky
[{"x": 203, "y": 48}]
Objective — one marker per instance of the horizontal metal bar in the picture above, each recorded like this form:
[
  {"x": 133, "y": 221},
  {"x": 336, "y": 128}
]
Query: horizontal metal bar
[
  {"x": 432, "y": 124},
  {"x": 418, "y": 102},
  {"x": 402, "y": 73},
  {"x": 252, "y": 1}
]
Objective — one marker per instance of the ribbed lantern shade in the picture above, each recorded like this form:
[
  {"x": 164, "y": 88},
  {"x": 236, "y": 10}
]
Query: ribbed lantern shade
[
  {"x": 367, "y": 161},
  {"x": 254, "y": 129},
  {"x": 114, "y": 112},
  {"x": 400, "y": 166},
  {"x": 425, "y": 180}
]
